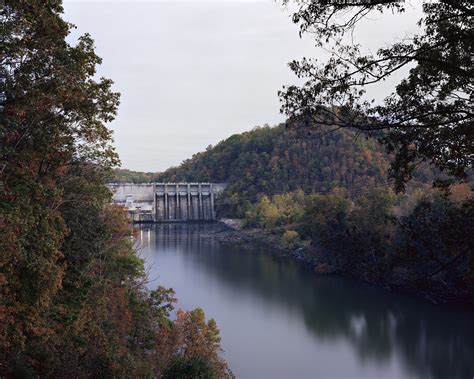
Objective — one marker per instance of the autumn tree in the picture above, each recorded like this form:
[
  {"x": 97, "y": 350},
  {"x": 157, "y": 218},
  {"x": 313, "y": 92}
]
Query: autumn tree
[
  {"x": 73, "y": 301},
  {"x": 52, "y": 121},
  {"x": 428, "y": 117},
  {"x": 190, "y": 347},
  {"x": 275, "y": 160}
]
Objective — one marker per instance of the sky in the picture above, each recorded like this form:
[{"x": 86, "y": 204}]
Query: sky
[{"x": 192, "y": 73}]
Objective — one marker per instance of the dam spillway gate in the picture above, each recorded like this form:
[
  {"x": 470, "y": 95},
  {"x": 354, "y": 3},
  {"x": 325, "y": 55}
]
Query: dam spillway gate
[{"x": 168, "y": 202}]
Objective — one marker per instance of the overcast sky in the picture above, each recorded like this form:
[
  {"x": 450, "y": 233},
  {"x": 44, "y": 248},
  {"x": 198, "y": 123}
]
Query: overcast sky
[{"x": 192, "y": 73}]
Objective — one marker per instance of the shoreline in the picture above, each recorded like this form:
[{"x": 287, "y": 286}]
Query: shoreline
[{"x": 319, "y": 263}]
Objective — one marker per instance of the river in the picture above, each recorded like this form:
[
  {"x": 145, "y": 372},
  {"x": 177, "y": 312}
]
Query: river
[{"x": 279, "y": 320}]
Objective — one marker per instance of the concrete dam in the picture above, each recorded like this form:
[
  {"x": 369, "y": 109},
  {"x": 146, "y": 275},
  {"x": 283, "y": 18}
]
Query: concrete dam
[{"x": 168, "y": 202}]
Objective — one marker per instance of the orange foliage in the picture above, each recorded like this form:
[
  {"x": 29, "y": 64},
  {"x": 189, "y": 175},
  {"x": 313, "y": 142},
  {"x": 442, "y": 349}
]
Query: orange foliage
[
  {"x": 190, "y": 336},
  {"x": 461, "y": 192}
]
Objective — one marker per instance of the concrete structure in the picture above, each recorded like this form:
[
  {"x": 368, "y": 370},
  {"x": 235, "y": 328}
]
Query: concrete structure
[{"x": 168, "y": 202}]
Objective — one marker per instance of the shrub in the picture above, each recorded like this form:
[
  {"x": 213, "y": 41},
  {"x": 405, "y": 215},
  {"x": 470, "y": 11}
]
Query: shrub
[{"x": 291, "y": 239}]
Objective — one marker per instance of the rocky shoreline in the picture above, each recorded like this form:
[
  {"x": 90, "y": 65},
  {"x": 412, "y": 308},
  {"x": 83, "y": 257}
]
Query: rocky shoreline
[{"x": 228, "y": 231}]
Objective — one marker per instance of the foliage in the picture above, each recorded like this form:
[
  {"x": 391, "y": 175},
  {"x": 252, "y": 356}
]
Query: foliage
[
  {"x": 291, "y": 238},
  {"x": 187, "y": 369},
  {"x": 72, "y": 295},
  {"x": 273, "y": 160},
  {"x": 437, "y": 241},
  {"x": 128, "y": 176},
  {"x": 52, "y": 122},
  {"x": 336, "y": 195},
  {"x": 429, "y": 250},
  {"x": 419, "y": 241},
  {"x": 429, "y": 115},
  {"x": 352, "y": 231},
  {"x": 189, "y": 343},
  {"x": 284, "y": 209}
]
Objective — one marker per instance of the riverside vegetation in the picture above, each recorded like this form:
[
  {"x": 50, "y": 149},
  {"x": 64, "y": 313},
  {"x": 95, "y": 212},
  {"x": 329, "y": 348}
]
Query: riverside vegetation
[
  {"x": 421, "y": 238},
  {"x": 332, "y": 193},
  {"x": 73, "y": 301}
]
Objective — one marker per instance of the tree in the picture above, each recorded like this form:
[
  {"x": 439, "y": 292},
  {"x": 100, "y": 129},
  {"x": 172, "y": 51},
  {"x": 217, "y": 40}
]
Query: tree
[
  {"x": 187, "y": 369},
  {"x": 52, "y": 129},
  {"x": 190, "y": 347},
  {"x": 436, "y": 241},
  {"x": 291, "y": 238},
  {"x": 430, "y": 114},
  {"x": 73, "y": 301},
  {"x": 274, "y": 160},
  {"x": 267, "y": 213}
]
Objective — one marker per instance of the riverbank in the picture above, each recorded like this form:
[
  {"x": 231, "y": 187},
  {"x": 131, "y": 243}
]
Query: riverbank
[
  {"x": 259, "y": 300},
  {"x": 229, "y": 231},
  {"x": 399, "y": 279}
]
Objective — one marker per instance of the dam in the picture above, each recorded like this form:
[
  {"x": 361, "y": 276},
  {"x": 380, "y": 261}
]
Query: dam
[{"x": 168, "y": 202}]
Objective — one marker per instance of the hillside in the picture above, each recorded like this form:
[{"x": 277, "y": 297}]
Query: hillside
[
  {"x": 120, "y": 175},
  {"x": 274, "y": 159},
  {"x": 354, "y": 223}
]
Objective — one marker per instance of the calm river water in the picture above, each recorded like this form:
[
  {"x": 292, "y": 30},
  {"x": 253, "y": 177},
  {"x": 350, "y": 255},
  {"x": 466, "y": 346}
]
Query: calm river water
[{"x": 279, "y": 320}]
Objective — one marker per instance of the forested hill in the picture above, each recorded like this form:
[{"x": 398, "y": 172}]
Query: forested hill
[
  {"x": 364, "y": 231},
  {"x": 274, "y": 159},
  {"x": 120, "y": 175}
]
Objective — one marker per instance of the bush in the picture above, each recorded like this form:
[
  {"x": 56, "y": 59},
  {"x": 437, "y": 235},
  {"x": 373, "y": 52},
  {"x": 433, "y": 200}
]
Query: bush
[{"x": 291, "y": 239}]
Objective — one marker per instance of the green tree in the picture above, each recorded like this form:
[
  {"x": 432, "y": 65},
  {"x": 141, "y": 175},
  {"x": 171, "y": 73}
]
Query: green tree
[{"x": 194, "y": 368}]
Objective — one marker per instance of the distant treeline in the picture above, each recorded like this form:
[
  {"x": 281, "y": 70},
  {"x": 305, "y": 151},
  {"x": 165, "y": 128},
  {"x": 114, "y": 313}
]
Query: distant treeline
[
  {"x": 120, "y": 175},
  {"x": 273, "y": 160},
  {"x": 268, "y": 159}
]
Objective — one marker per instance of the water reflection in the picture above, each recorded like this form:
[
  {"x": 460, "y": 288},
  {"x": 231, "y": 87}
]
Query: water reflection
[{"x": 383, "y": 332}]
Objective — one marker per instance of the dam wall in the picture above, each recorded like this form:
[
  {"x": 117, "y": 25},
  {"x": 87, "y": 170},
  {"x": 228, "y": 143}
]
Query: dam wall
[{"x": 168, "y": 202}]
